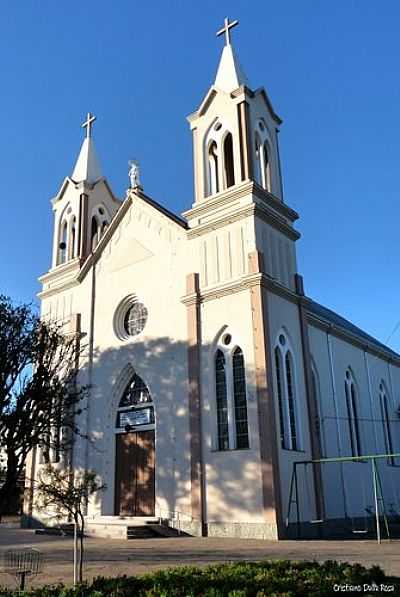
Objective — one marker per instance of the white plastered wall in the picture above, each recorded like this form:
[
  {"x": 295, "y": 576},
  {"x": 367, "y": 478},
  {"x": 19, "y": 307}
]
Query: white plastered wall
[{"x": 348, "y": 488}]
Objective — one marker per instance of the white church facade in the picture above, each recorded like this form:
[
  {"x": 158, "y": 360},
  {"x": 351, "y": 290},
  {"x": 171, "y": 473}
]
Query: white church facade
[{"x": 210, "y": 371}]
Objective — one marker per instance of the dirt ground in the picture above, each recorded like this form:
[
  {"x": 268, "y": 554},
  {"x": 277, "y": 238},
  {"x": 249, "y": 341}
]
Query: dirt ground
[{"x": 113, "y": 557}]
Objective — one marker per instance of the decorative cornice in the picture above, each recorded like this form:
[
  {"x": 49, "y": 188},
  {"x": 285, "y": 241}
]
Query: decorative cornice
[
  {"x": 237, "y": 192},
  {"x": 59, "y": 271},
  {"x": 244, "y": 283},
  {"x": 253, "y": 209},
  {"x": 56, "y": 289}
]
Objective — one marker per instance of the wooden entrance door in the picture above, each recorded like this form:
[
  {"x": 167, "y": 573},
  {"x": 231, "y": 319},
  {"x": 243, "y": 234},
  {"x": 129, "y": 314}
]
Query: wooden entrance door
[{"x": 135, "y": 493}]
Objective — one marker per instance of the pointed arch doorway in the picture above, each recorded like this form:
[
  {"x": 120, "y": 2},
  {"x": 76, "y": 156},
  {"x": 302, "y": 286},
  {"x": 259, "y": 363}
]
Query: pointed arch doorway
[{"x": 135, "y": 451}]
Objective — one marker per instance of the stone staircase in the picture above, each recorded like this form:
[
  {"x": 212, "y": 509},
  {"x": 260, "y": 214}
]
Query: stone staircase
[{"x": 128, "y": 527}]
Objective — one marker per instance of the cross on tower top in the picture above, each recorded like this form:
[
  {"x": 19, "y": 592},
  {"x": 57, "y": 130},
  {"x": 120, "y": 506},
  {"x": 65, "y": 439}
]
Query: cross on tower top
[
  {"x": 88, "y": 124},
  {"x": 226, "y": 30}
]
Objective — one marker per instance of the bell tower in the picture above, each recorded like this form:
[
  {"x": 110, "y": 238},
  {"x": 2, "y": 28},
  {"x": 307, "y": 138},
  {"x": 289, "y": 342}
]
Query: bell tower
[
  {"x": 234, "y": 132},
  {"x": 83, "y": 207},
  {"x": 238, "y": 200}
]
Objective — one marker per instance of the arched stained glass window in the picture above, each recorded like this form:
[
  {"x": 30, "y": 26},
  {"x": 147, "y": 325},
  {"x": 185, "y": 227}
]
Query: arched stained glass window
[
  {"x": 387, "y": 431},
  {"x": 240, "y": 401},
  {"x": 278, "y": 371},
  {"x": 291, "y": 400},
  {"x": 136, "y": 405},
  {"x": 286, "y": 395},
  {"x": 352, "y": 414},
  {"x": 222, "y": 401}
]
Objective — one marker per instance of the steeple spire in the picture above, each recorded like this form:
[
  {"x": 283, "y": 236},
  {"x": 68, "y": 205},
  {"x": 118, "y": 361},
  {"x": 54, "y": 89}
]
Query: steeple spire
[
  {"x": 87, "y": 166},
  {"x": 230, "y": 75}
]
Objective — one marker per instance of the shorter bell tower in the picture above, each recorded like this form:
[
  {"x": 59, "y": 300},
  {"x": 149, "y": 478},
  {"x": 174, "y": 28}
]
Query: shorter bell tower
[{"x": 83, "y": 208}]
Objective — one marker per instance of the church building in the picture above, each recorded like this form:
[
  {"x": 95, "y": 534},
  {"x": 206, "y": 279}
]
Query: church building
[{"x": 210, "y": 371}]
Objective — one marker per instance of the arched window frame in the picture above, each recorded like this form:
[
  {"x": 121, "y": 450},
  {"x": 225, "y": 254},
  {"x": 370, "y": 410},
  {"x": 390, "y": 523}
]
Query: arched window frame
[
  {"x": 263, "y": 156},
  {"x": 287, "y": 394},
  {"x": 385, "y": 408},
  {"x": 215, "y": 167},
  {"x": 352, "y": 415},
  {"x": 234, "y": 419}
]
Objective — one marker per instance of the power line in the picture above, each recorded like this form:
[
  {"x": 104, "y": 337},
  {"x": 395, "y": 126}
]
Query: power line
[{"x": 396, "y": 327}]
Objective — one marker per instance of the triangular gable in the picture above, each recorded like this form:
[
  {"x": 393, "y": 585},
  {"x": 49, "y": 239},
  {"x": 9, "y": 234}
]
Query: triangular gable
[{"x": 117, "y": 220}]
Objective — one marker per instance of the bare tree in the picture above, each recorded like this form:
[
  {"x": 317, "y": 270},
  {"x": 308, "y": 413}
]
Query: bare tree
[
  {"x": 39, "y": 397},
  {"x": 66, "y": 495}
]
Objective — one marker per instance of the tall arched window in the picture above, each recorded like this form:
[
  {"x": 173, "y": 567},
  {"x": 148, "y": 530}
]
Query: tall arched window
[
  {"x": 319, "y": 421},
  {"x": 279, "y": 372},
  {"x": 63, "y": 243},
  {"x": 387, "y": 431},
  {"x": 94, "y": 233},
  {"x": 291, "y": 400},
  {"x": 352, "y": 414},
  {"x": 239, "y": 398},
  {"x": 286, "y": 395},
  {"x": 229, "y": 172},
  {"x": 213, "y": 169},
  {"x": 222, "y": 401}
]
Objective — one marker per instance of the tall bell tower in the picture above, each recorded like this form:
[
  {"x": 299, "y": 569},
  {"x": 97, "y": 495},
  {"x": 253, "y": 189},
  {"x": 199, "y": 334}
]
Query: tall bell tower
[
  {"x": 237, "y": 171},
  {"x": 234, "y": 131}
]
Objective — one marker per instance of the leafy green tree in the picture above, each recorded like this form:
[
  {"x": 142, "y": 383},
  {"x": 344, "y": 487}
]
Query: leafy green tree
[
  {"x": 39, "y": 397},
  {"x": 65, "y": 494}
]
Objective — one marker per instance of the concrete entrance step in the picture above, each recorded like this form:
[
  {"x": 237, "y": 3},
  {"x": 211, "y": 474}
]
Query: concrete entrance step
[{"x": 129, "y": 527}]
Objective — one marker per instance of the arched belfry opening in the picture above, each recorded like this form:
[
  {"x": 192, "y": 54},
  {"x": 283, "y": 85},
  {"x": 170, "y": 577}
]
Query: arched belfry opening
[
  {"x": 228, "y": 161},
  {"x": 135, "y": 451},
  {"x": 213, "y": 169}
]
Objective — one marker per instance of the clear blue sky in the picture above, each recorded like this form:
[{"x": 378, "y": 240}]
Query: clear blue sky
[{"x": 330, "y": 68}]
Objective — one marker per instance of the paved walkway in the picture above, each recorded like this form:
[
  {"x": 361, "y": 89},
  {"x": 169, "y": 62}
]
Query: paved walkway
[{"x": 113, "y": 557}]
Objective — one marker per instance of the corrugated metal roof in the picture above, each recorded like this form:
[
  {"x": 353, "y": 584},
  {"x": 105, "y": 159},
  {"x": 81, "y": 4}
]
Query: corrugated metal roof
[{"x": 339, "y": 321}]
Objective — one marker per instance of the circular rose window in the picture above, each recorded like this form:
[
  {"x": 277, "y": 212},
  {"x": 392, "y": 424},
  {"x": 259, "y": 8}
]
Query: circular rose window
[{"x": 130, "y": 318}]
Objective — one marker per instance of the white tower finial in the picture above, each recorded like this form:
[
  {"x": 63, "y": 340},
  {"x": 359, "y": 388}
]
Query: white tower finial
[
  {"x": 230, "y": 75},
  {"x": 226, "y": 30},
  {"x": 88, "y": 124},
  {"x": 87, "y": 166}
]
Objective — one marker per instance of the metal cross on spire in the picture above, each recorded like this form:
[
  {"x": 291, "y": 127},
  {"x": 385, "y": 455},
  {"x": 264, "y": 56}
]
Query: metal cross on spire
[
  {"x": 88, "y": 124},
  {"x": 226, "y": 30}
]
